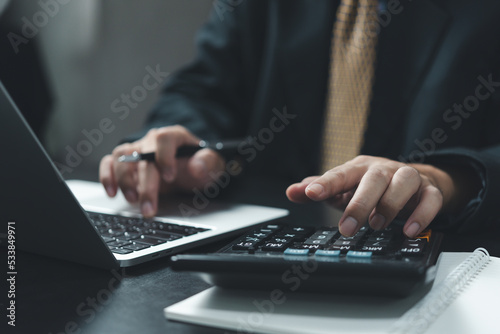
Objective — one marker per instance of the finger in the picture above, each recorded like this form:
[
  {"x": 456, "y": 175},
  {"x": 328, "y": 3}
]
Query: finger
[
  {"x": 431, "y": 201},
  {"x": 336, "y": 181},
  {"x": 296, "y": 192},
  {"x": 125, "y": 173},
  {"x": 310, "y": 179},
  {"x": 340, "y": 201},
  {"x": 205, "y": 165},
  {"x": 370, "y": 189},
  {"x": 107, "y": 177},
  {"x": 167, "y": 141},
  {"x": 148, "y": 187},
  {"x": 404, "y": 184}
]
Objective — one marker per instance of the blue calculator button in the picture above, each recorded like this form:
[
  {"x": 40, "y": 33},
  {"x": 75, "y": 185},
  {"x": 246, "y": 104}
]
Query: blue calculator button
[
  {"x": 359, "y": 254},
  {"x": 292, "y": 251},
  {"x": 329, "y": 253}
]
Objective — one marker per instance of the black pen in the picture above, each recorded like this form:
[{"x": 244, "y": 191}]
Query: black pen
[{"x": 223, "y": 147}]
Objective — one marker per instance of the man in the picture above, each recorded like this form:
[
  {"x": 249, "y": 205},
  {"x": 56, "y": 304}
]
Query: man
[{"x": 430, "y": 146}]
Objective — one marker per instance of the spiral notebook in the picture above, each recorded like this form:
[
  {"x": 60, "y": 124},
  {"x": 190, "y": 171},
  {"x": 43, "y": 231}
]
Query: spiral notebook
[{"x": 463, "y": 299}]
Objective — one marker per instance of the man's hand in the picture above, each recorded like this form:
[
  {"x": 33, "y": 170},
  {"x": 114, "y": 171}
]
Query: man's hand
[
  {"x": 143, "y": 181},
  {"x": 379, "y": 189}
]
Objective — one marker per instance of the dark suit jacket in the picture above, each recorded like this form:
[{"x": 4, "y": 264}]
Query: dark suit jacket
[{"x": 259, "y": 57}]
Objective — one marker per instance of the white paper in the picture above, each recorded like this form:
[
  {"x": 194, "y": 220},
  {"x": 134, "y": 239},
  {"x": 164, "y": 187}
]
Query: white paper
[{"x": 474, "y": 311}]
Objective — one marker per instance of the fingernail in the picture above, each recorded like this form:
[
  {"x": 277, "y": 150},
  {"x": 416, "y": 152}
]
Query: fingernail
[
  {"x": 377, "y": 222},
  {"x": 412, "y": 230},
  {"x": 147, "y": 209},
  {"x": 168, "y": 174},
  {"x": 348, "y": 226},
  {"x": 199, "y": 168},
  {"x": 316, "y": 189},
  {"x": 110, "y": 191},
  {"x": 131, "y": 196}
]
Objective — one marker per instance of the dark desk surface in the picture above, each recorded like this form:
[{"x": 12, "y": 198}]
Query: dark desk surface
[{"x": 60, "y": 297}]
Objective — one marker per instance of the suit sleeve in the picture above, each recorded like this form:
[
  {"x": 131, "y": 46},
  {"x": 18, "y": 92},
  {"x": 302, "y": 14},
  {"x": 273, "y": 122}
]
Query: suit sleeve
[{"x": 481, "y": 212}]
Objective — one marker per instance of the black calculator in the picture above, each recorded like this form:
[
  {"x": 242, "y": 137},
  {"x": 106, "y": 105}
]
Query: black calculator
[{"x": 319, "y": 259}]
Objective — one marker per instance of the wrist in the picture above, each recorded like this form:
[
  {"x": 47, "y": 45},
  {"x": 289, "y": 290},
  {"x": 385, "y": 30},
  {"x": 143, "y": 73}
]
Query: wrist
[{"x": 458, "y": 184}]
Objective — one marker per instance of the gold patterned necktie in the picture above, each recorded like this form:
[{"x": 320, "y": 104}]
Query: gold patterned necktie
[{"x": 352, "y": 68}]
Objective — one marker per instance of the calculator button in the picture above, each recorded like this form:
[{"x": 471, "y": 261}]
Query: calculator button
[
  {"x": 415, "y": 242},
  {"x": 318, "y": 242},
  {"x": 342, "y": 242},
  {"x": 380, "y": 244},
  {"x": 382, "y": 234},
  {"x": 252, "y": 239},
  {"x": 362, "y": 231},
  {"x": 414, "y": 247},
  {"x": 245, "y": 245},
  {"x": 412, "y": 251},
  {"x": 299, "y": 231},
  {"x": 266, "y": 230},
  {"x": 281, "y": 239},
  {"x": 377, "y": 241},
  {"x": 288, "y": 235},
  {"x": 311, "y": 247},
  {"x": 274, "y": 246},
  {"x": 347, "y": 238},
  {"x": 272, "y": 227},
  {"x": 321, "y": 238},
  {"x": 358, "y": 236},
  {"x": 329, "y": 253},
  {"x": 295, "y": 252},
  {"x": 359, "y": 254},
  {"x": 375, "y": 249},
  {"x": 342, "y": 249}
]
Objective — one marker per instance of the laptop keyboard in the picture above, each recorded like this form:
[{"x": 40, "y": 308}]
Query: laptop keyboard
[{"x": 124, "y": 235}]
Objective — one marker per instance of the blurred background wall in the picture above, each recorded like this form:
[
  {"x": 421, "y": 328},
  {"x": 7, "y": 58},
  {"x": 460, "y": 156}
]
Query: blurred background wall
[{"x": 95, "y": 51}]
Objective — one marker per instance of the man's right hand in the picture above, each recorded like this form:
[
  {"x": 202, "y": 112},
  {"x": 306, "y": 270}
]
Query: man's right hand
[{"x": 143, "y": 181}]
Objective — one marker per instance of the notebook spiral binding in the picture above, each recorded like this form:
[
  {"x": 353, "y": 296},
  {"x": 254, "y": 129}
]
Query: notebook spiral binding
[{"x": 420, "y": 317}]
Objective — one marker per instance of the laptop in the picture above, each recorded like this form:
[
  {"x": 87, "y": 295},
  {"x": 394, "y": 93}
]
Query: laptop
[{"x": 75, "y": 221}]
